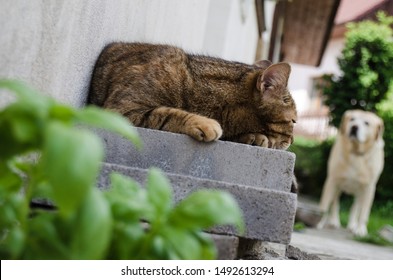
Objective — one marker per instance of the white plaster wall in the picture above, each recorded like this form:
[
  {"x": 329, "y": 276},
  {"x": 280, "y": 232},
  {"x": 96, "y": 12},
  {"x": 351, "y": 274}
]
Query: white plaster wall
[
  {"x": 53, "y": 45},
  {"x": 300, "y": 80},
  {"x": 232, "y": 30},
  {"x": 242, "y": 32},
  {"x": 217, "y": 21}
]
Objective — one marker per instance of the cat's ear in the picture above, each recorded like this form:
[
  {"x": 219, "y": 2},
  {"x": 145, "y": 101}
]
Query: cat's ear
[
  {"x": 275, "y": 75},
  {"x": 263, "y": 63}
]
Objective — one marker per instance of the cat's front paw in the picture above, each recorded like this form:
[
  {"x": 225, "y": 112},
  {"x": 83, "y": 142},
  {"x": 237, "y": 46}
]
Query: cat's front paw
[
  {"x": 256, "y": 139},
  {"x": 279, "y": 145},
  {"x": 204, "y": 129}
]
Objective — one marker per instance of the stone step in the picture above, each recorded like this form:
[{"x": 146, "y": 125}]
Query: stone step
[
  {"x": 226, "y": 246},
  {"x": 268, "y": 214},
  {"x": 221, "y": 160}
]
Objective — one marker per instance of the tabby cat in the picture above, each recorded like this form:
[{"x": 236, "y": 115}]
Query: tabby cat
[{"x": 207, "y": 98}]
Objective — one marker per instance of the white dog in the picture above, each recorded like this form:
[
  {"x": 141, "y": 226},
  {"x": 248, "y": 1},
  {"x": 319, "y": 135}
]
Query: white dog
[{"x": 355, "y": 164}]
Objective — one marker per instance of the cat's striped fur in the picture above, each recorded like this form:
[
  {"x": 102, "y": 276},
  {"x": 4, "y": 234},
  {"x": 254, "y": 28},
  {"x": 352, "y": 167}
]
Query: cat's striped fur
[{"x": 162, "y": 87}]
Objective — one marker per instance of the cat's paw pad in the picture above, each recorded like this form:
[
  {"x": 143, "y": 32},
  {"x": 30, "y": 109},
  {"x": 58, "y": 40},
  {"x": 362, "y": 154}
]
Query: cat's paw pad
[
  {"x": 205, "y": 130},
  {"x": 256, "y": 139}
]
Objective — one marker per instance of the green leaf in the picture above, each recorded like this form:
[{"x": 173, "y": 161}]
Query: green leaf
[
  {"x": 21, "y": 128},
  {"x": 24, "y": 92},
  {"x": 44, "y": 237},
  {"x": 127, "y": 199},
  {"x": 124, "y": 186},
  {"x": 71, "y": 161},
  {"x": 159, "y": 193},
  {"x": 9, "y": 180},
  {"x": 7, "y": 214},
  {"x": 206, "y": 208},
  {"x": 208, "y": 250},
  {"x": 126, "y": 240},
  {"x": 93, "y": 227},
  {"x": 183, "y": 244},
  {"x": 12, "y": 243},
  {"x": 159, "y": 248},
  {"x": 111, "y": 121},
  {"x": 22, "y": 121},
  {"x": 62, "y": 113}
]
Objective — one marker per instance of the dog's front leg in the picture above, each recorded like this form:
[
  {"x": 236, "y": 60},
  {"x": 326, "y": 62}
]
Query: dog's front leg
[
  {"x": 329, "y": 188},
  {"x": 329, "y": 204},
  {"x": 365, "y": 201},
  {"x": 334, "y": 219},
  {"x": 353, "y": 221}
]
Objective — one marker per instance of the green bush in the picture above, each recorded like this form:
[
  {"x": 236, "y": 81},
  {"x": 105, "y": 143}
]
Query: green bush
[
  {"x": 366, "y": 66},
  {"x": 311, "y": 164},
  {"x": 45, "y": 153},
  {"x": 384, "y": 186}
]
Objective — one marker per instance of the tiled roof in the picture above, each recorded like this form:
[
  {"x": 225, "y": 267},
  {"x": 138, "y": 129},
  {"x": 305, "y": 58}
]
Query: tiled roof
[{"x": 350, "y": 10}]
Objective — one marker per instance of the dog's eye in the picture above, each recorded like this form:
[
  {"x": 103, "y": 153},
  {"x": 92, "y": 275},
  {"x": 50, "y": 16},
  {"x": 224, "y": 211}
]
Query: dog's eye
[
  {"x": 366, "y": 123},
  {"x": 293, "y": 121},
  {"x": 351, "y": 119}
]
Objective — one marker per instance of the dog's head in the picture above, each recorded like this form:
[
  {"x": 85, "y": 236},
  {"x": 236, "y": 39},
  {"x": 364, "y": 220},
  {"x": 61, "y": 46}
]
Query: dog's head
[{"x": 361, "y": 127}]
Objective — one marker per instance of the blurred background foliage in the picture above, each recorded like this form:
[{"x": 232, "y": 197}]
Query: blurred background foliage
[{"x": 365, "y": 83}]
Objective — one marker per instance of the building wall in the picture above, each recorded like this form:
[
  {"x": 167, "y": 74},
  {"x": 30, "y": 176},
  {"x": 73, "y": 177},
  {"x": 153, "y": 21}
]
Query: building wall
[
  {"x": 313, "y": 119},
  {"x": 53, "y": 45},
  {"x": 300, "y": 81},
  {"x": 232, "y": 30},
  {"x": 242, "y": 32}
]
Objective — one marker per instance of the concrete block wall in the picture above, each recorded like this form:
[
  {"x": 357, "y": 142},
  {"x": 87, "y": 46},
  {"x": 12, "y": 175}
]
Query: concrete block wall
[
  {"x": 258, "y": 178},
  {"x": 220, "y": 161}
]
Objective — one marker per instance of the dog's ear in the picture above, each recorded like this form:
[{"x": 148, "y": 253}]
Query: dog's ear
[
  {"x": 343, "y": 123},
  {"x": 380, "y": 130}
]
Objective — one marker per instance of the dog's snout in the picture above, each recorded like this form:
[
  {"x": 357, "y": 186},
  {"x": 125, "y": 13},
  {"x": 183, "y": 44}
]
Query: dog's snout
[{"x": 354, "y": 131}]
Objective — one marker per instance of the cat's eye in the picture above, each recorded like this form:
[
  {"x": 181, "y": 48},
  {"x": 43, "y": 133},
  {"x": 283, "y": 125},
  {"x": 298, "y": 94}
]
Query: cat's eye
[
  {"x": 293, "y": 121},
  {"x": 287, "y": 99},
  {"x": 266, "y": 85}
]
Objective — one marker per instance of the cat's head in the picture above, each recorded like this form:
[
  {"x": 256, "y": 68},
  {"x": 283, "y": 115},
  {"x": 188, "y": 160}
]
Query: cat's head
[{"x": 275, "y": 104}]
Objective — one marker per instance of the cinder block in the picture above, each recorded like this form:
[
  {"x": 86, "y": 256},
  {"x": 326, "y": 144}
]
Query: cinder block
[
  {"x": 251, "y": 249},
  {"x": 308, "y": 214},
  {"x": 221, "y": 160},
  {"x": 268, "y": 214},
  {"x": 226, "y": 246},
  {"x": 386, "y": 232}
]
